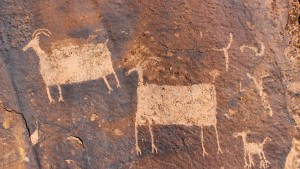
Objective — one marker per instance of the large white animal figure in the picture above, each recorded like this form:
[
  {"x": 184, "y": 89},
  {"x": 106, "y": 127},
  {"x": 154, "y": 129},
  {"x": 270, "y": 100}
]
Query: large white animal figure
[
  {"x": 193, "y": 105},
  {"x": 70, "y": 62}
]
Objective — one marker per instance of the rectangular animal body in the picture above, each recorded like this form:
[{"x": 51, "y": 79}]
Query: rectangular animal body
[
  {"x": 182, "y": 105},
  {"x": 74, "y": 63}
]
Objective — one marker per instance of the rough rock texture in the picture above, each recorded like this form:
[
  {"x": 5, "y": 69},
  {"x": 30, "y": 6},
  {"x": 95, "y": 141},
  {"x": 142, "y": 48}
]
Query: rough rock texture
[
  {"x": 248, "y": 50},
  {"x": 16, "y": 150}
]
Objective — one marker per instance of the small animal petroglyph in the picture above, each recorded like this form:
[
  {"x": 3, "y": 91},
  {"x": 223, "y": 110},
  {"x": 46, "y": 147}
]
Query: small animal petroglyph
[
  {"x": 262, "y": 50},
  {"x": 225, "y": 50},
  {"x": 251, "y": 149},
  {"x": 293, "y": 158},
  {"x": 193, "y": 105},
  {"x": 263, "y": 95},
  {"x": 71, "y": 63}
]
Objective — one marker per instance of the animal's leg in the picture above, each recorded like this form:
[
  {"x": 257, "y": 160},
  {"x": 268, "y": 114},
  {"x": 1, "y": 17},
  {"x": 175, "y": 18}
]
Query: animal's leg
[
  {"x": 264, "y": 157},
  {"x": 118, "y": 83},
  {"x": 152, "y": 138},
  {"x": 107, "y": 84},
  {"x": 202, "y": 144},
  {"x": 251, "y": 162},
  {"x": 217, "y": 135},
  {"x": 61, "y": 99},
  {"x": 245, "y": 159},
  {"x": 263, "y": 161},
  {"x": 137, "y": 148},
  {"x": 49, "y": 95}
]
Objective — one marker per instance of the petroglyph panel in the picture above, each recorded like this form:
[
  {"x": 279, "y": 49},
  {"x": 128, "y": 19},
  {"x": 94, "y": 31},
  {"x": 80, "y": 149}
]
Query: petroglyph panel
[{"x": 195, "y": 78}]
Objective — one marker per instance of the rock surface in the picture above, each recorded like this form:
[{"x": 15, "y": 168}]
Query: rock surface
[{"x": 60, "y": 112}]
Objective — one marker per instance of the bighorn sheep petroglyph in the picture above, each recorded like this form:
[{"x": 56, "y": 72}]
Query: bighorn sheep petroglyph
[
  {"x": 251, "y": 149},
  {"x": 71, "y": 63},
  {"x": 193, "y": 105}
]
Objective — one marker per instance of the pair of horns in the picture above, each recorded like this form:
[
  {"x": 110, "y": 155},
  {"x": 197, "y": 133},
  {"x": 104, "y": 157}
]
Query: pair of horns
[
  {"x": 142, "y": 62},
  {"x": 39, "y": 31},
  {"x": 246, "y": 132}
]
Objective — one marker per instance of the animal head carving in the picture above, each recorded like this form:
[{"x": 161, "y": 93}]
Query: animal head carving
[
  {"x": 268, "y": 139},
  {"x": 138, "y": 58},
  {"x": 136, "y": 54},
  {"x": 214, "y": 74},
  {"x": 141, "y": 65},
  {"x": 242, "y": 134},
  {"x": 35, "y": 41}
]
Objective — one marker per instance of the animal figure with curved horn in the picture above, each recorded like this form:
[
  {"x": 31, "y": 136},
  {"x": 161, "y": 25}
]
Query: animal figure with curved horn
[
  {"x": 71, "y": 63},
  {"x": 194, "y": 105}
]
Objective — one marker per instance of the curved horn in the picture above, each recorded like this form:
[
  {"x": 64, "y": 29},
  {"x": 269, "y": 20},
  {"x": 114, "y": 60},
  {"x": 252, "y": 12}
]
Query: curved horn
[
  {"x": 142, "y": 62},
  {"x": 39, "y": 31},
  {"x": 154, "y": 58},
  {"x": 141, "y": 65}
]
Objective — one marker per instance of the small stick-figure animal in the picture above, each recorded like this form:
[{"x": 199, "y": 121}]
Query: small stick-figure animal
[
  {"x": 71, "y": 63},
  {"x": 263, "y": 95},
  {"x": 251, "y": 149},
  {"x": 225, "y": 51}
]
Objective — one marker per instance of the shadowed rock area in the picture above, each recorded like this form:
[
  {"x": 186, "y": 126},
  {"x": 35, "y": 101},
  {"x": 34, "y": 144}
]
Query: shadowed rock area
[{"x": 150, "y": 84}]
